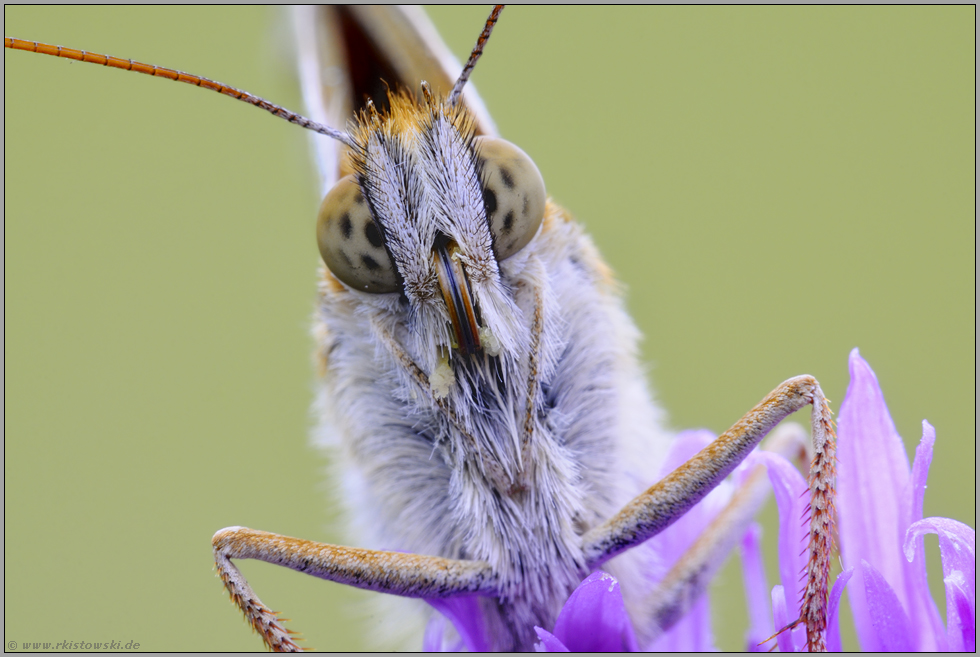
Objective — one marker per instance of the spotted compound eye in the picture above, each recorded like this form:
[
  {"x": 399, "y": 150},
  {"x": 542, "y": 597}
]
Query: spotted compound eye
[
  {"x": 350, "y": 241},
  {"x": 513, "y": 193}
]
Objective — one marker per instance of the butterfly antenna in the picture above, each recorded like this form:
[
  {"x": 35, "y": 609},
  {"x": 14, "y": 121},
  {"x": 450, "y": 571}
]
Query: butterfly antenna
[
  {"x": 475, "y": 55},
  {"x": 179, "y": 76}
]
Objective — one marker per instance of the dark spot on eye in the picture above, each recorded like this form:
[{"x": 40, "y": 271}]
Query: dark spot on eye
[
  {"x": 359, "y": 199},
  {"x": 347, "y": 260},
  {"x": 373, "y": 234},
  {"x": 508, "y": 179},
  {"x": 345, "y": 226},
  {"x": 370, "y": 262},
  {"x": 489, "y": 201},
  {"x": 508, "y": 221}
]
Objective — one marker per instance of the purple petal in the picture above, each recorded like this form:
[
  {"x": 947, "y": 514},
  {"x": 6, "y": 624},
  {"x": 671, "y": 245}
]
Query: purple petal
[
  {"x": 920, "y": 472},
  {"x": 958, "y": 548},
  {"x": 888, "y": 619},
  {"x": 756, "y": 588},
  {"x": 695, "y": 628},
  {"x": 594, "y": 617},
  {"x": 833, "y": 620},
  {"x": 690, "y": 634},
  {"x": 963, "y": 627},
  {"x": 465, "y": 615},
  {"x": 434, "y": 633},
  {"x": 549, "y": 642},
  {"x": 686, "y": 445},
  {"x": 693, "y": 632},
  {"x": 790, "y": 490},
  {"x": 789, "y": 640},
  {"x": 927, "y": 627},
  {"x": 873, "y": 474},
  {"x": 671, "y": 543}
]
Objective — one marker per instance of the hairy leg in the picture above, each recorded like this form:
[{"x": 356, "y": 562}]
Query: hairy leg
[
  {"x": 408, "y": 575},
  {"x": 669, "y": 499}
]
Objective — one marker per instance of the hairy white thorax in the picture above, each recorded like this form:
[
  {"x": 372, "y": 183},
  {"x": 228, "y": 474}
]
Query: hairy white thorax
[
  {"x": 504, "y": 452},
  {"x": 454, "y": 481}
]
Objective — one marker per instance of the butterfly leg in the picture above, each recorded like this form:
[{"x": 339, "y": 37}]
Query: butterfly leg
[
  {"x": 408, "y": 575},
  {"x": 691, "y": 574},
  {"x": 669, "y": 499}
]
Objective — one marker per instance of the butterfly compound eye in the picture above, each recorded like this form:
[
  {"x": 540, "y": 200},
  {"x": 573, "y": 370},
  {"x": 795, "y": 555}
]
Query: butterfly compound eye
[
  {"x": 513, "y": 193},
  {"x": 351, "y": 244}
]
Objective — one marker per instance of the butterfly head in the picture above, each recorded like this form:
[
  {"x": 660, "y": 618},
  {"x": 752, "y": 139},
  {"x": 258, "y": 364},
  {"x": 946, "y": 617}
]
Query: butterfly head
[{"x": 427, "y": 215}]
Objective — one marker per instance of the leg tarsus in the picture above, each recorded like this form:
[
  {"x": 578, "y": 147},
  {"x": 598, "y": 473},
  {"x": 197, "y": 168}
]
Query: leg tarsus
[
  {"x": 398, "y": 573},
  {"x": 262, "y": 619}
]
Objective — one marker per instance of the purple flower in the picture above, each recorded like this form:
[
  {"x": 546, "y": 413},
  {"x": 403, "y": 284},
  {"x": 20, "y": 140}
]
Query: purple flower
[
  {"x": 881, "y": 534},
  {"x": 465, "y": 615},
  {"x": 692, "y": 633},
  {"x": 791, "y": 493},
  {"x": 593, "y": 620},
  {"x": 594, "y": 617},
  {"x": 881, "y": 529}
]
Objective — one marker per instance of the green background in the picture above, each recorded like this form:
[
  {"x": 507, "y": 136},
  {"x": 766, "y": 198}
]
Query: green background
[{"x": 774, "y": 186}]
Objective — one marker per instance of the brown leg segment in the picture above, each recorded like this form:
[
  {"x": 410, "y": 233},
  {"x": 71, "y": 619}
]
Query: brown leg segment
[
  {"x": 408, "y": 575},
  {"x": 670, "y": 498},
  {"x": 691, "y": 575}
]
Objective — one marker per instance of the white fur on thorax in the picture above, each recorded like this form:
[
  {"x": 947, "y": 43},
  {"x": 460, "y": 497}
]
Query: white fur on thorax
[
  {"x": 392, "y": 449},
  {"x": 412, "y": 480}
]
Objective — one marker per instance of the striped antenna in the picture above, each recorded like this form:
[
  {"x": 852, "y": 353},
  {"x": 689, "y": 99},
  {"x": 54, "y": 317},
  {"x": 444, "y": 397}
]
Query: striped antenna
[
  {"x": 475, "y": 55},
  {"x": 178, "y": 76}
]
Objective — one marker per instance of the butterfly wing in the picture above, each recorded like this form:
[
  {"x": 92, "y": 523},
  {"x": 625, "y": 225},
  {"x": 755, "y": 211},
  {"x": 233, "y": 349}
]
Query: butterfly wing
[{"x": 346, "y": 55}]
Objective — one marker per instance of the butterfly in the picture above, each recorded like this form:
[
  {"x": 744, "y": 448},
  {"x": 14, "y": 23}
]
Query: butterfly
[{"x": 764, "y": 376}]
